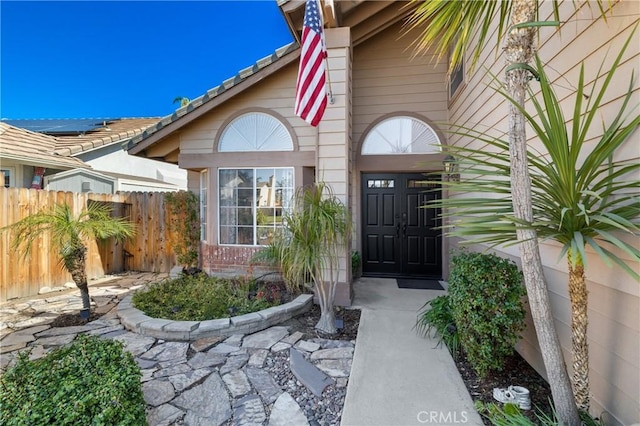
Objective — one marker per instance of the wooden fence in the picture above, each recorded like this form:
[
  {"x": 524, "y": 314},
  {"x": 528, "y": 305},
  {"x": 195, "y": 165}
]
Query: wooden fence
[{"x": 150, "y": 249}]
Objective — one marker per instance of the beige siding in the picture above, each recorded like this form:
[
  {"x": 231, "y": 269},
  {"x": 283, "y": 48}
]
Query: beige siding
[
  {"x": 273, "y": 95},
  {"x": 614, "y": 298},
  {"x": 386, "y": 80}
]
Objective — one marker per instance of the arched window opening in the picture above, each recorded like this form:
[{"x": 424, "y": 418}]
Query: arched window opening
[{"x": 401, "y": 135}]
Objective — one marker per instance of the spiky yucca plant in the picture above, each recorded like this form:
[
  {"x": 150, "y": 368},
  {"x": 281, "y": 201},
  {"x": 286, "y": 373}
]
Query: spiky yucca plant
[{"x": 582, "y": 195}]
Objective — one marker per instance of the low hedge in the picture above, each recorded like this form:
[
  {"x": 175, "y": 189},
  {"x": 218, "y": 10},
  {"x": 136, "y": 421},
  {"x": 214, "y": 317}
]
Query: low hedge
[{"x": 93, "y": 381}]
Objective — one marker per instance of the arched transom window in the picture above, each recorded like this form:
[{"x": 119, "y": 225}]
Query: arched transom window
[
  {"x": 255, "y": 131},
  {"x": 401, "y": 135}
]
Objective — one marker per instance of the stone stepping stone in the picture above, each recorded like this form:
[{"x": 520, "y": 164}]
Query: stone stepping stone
[
  {"x": 330, "y": 344},
  {"x": 59, "y": 331},
  {"x": 147, "y": 374},
  {"x": 249, "y": 411},
  {"x": 157, "y": 392},
  {"x": 105, "y": 330},
  {"x": 308, "y": 374},
  {"x": 207, "y": 359},
  {"x": 17, "y": 338},
  {"x": 335, "y": 367},
  {"x": 234, "y": 340},
  {"x": 167, "y": 351},
  {"x": 258, "y": 358},
  {"x": 286, "y": 411},
  {"x": 63, "y": 339},
  {"x": 183, "y": 381},
  {"x": 280, "y": 346},
  {"x": 224, "y": 348},
  {"x": 293, "y": 339},
  {"x": 164, "y": 415},
  {"x": 45, "y": 318},
  {"x": 264, "y": 384},
  {"x": 133, "y": 342},
  {"x": 7, "y": 349},
  {"x": 205, "y": 343},
  {"x": 234, "y": 363},
  {"x": 266, "y": 338},
  {"x": 237, "y": 383},
  {"x": 8, "y": 339},
  {"x": 206, "y": 404},
  {"x": 334, "y": 353},
  {"x": 172, "y": 370},
  {"x": 307, "y": 346}
]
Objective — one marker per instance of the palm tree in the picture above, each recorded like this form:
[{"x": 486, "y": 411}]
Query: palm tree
[
  {"x": 451, "y": 25},
  {"x": 580, "y": 195},
  {"x": 308, "y": 247},
  {"x": 69, "y": 234},
  {"x": 183, "y": 101}
]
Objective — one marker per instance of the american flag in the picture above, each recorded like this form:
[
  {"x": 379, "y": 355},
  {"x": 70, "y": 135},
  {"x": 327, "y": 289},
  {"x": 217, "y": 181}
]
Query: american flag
[{"x": 311, "y": 96}]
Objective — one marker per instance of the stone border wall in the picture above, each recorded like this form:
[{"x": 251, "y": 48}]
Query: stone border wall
[{"x": 136, "y": 321}]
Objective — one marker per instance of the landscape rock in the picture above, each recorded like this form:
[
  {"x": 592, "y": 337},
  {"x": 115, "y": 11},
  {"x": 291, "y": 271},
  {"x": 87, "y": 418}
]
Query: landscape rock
[
  {"x": 157, "y": 392},
  {"x": 286, "y": 412},
  {"x": 265, "y": 339},
  {"x": 206, "y": 404},
  {"x": 249, "y": 411},
  {"x": 164, "y": 415}
]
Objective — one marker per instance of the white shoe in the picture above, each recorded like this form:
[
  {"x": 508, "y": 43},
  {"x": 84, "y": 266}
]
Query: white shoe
[
  {"x": 521, "y": 395},
  {"x": 504, "y": 395}
]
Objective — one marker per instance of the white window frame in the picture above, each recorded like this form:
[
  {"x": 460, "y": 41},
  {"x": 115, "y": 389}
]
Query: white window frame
[
  {"x": 254, "y": 206},
  {"x": 12, "y": 175},
  {"x": 382, "y": 136}
]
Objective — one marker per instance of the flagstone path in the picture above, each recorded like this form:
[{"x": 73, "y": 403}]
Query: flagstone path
[{"x": 272, "y": 377}]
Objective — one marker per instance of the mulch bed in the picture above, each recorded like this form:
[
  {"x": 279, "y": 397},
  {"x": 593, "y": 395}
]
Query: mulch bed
[{"x": 516, "y": 372}]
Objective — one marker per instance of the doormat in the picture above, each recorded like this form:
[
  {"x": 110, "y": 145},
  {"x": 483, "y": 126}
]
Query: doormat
[{"x": 422, "y": 284}]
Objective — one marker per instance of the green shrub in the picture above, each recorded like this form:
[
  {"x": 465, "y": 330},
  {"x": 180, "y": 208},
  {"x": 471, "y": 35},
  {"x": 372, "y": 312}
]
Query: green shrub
[
  {"x": 184, "y": 209},
  {"x": 200, "y": 297},
  {"x": 90, "y": 382},
  {"x": 436, "y": 315},
  {"x": 486, "y": 299}
]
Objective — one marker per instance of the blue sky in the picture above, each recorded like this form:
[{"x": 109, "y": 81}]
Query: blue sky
[{"x": 111, "y": 59}]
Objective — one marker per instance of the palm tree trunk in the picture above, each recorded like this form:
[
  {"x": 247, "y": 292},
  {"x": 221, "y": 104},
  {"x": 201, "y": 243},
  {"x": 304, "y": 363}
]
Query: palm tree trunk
[
  {"x": 75, "y": 263},
  {"x": 327, "y": 321},
  {"x": 519, "y": 48},
  {"x": 579, "y": 321}
]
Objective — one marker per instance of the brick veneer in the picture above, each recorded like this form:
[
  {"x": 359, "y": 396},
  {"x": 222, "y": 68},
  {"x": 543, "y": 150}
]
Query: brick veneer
[
  {"x": 231, "y": 260},
  {"x": 236, "y": 260}
]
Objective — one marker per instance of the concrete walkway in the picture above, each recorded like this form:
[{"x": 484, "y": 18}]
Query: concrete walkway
[{"x": 398, "y": 377}]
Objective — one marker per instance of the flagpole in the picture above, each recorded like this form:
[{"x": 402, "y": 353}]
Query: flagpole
[{"x": 326, "y": 58}]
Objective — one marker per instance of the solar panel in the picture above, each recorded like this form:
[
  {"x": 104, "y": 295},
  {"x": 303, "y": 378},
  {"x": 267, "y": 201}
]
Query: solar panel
[{"x": 66, "y": 126}]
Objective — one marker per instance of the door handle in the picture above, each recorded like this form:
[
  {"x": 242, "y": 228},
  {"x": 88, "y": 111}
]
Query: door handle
[
  {"x": 404, "y": 229},
  {"x": 398, "y": 230}
]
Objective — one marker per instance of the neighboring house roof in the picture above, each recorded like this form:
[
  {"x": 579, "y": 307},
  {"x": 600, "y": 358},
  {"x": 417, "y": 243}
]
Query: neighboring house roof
[
  {"x": 245, "y": 78},
  {"x": 34, "y": 149},
  {"x": 75, "y": 136},
  {"x": 113, "y": 176}
]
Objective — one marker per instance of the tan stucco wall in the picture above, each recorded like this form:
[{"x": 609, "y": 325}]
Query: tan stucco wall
[{"x": 614, "y": 297}]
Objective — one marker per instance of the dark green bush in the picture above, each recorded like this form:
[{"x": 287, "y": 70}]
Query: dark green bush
[
  {"x": 486, "y": 299},
  {"x": 90, "y": 382},
  {"x": 436, "y": 315},
  {"x": 200, "y": 297}
]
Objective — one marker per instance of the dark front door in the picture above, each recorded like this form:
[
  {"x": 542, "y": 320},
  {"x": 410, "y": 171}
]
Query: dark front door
[{"x": 398, "y": 235}]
